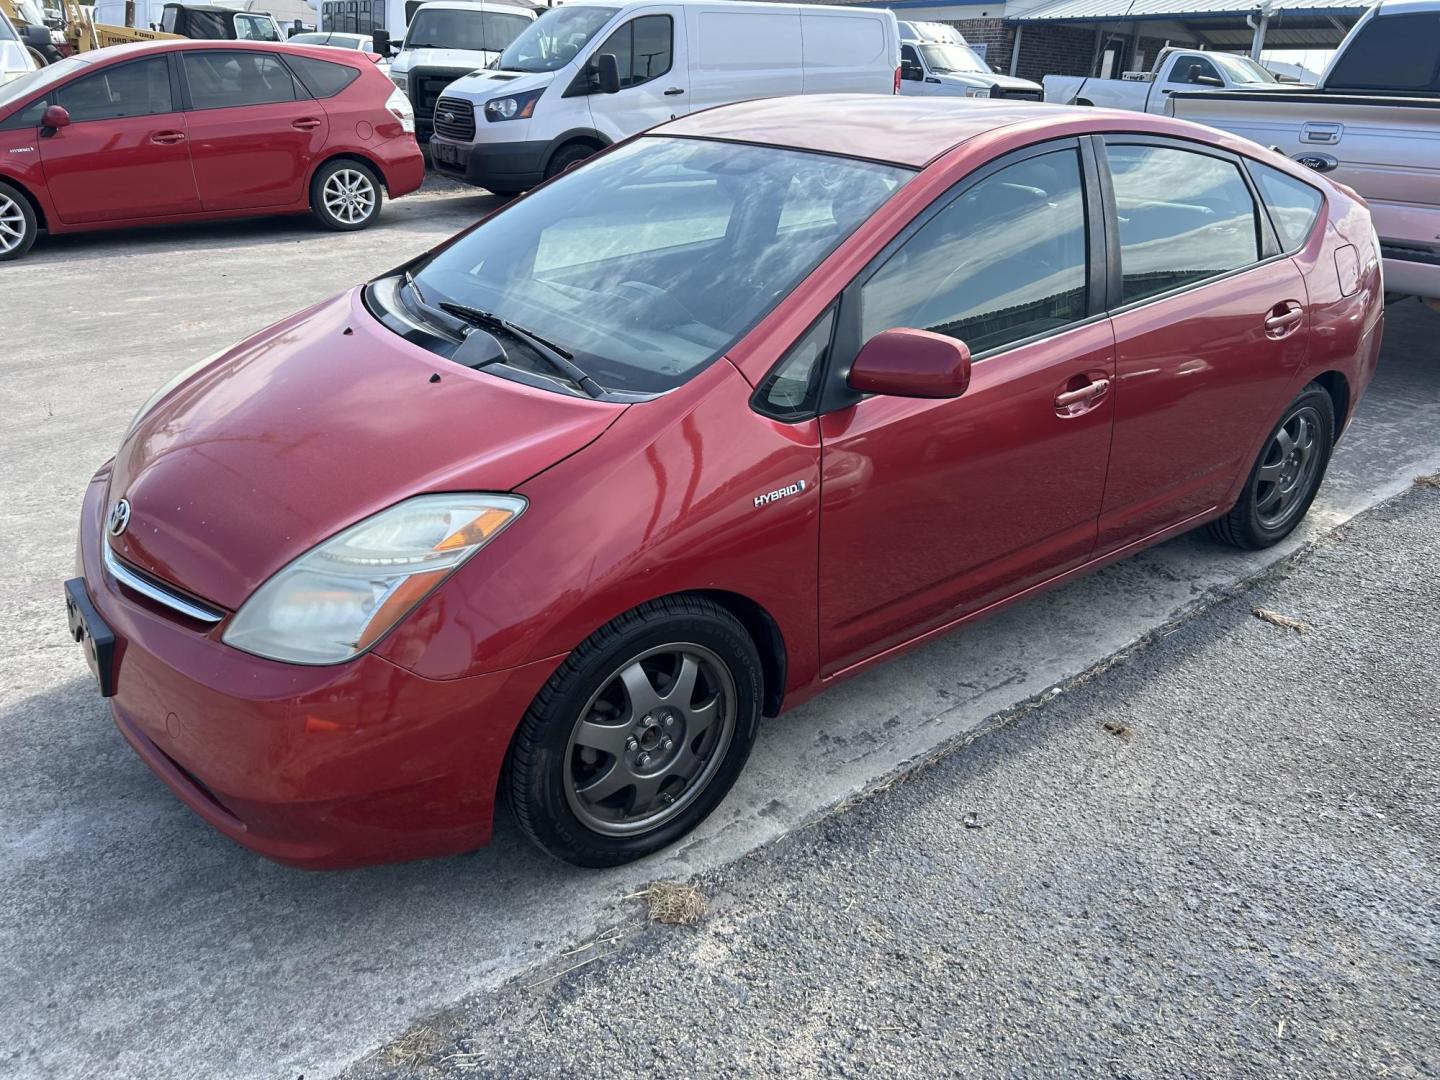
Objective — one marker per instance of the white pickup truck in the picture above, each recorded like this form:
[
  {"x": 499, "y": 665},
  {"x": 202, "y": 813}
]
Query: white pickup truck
[
  {"x": 1148, "y": 91},
  {"x": 1372, "y": 123}
]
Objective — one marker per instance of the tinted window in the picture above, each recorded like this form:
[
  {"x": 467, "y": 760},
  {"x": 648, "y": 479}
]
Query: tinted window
[
  {"x": 1294, "y": 205},
  {"x": 220, "y": 80},
  {"x": 1395, "y": 52},
  {"x": 650, "y": 261},
  {"x": 641, "y": 48},
  {"x": 792, "y": 390},
  {"x": 1005, "y": 260},
  {"x": 138, "y": 89},
  {"x": 322, "y": 78},
  {"x": 1183, "y": 217},
  {"x": 1192, "y": 69},
  {"x": 476, "y": 30}
]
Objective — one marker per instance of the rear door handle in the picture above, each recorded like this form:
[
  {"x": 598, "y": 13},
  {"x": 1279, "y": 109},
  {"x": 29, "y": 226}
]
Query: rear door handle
[
  {"x": 1073, "y": 402},
  {"x": 306, "y": 123},
  {"x": 167, "y": 138},
  {"x": 1284, "y": 319},
  {"x": 674, "y": 90}
]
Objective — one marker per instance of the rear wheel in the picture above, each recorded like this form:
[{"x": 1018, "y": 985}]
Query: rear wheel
[
  {"x": 17, "y": 223},
  {"x": 638, "y": 735},
  {"x": 345, "y": 195},
  {"x": 1285, "y": 477}
]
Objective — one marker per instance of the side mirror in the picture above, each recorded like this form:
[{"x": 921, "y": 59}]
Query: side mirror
[
  {"x": 911, "y": 71},
  {"x": 380, "y": 42},
  {"x": 911, "y": 363},
  {"x": 1209, "y": 80},
  {"x": 37, "y": 37},
  {"x": 607, "y": 73},
  {"x": 55, "y": 117}
]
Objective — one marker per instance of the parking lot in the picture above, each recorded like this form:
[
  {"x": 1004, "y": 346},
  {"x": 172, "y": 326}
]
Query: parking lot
[{"x": 140, "y": 942}]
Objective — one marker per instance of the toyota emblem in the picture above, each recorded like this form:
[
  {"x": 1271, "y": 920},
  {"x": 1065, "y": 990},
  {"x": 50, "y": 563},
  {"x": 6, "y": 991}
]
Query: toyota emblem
[{"x": 119, "y": 518}]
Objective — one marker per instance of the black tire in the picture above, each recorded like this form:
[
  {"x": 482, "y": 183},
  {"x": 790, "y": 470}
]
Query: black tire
[
  {"x": 570, "y": 154},
  {"x": 18, "y": 226},
  {"x": 328, "y": 200},
  {"x": 547, "y": 764},
  {"x": 1268, "y": 511}
]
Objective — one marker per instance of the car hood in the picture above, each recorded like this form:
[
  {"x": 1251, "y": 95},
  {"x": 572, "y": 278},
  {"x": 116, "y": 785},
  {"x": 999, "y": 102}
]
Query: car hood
[
  {"x": 310, "y": 426},
  {"x": 484, "y": 84},
  {"x": 410, "y": 59},
  {"x": 976, "y": 78}
]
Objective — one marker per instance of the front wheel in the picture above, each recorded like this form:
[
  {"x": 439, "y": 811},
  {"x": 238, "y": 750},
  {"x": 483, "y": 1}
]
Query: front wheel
[
  {"x": 638, "y": 735},
  {"x": 568, "y": 157},
  {"x": 345, "y": 195},
  {"x": 17, "y": 223},
  {"x": 1285, "y": 477}
]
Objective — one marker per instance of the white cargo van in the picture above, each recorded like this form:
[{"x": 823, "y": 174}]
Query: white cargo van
[
  {"x": 15, "y": 58},
  {"x": 447, "y": 40},
  {"x": 586, "y": 75},
  {"x": 936, "y": 60}
]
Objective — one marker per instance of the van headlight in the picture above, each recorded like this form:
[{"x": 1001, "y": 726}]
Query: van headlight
[
  {"x": 341, "y": 597},
  {"x": 515, "y": 107},
  {"x": 977, "y": 91}
]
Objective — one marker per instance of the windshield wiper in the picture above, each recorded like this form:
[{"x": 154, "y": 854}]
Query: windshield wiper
[{"x": 552, "y": 354}]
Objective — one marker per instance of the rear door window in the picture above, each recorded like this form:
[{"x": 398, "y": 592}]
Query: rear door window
[
  {"x": 223, "y": 80},
  {"x": 1183, "y": 217},
  {"x": 141, "y": 88},
  {"x": 1294, "y": 205}
]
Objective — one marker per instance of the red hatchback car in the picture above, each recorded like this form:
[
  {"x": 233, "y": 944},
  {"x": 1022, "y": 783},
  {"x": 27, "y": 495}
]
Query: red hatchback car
[
  {"x": 735, "y": 410},
  {"x": 190, "y": 130}
]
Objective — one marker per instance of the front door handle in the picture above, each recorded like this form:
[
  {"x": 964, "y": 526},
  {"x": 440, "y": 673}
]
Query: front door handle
[
  {"x": 1284, "y": 319},
  {"x": 1073, "y": 402},
  {"x": 306, "y": 123},
  {"x": 168, "y": 138},
  {"x": 674, "y": 90}
]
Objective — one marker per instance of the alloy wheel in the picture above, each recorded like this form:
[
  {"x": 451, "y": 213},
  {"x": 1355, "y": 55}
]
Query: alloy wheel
[
  {"x": 650, "y": 740},
  {"x": 12, "y": 224},
  {"x": 349, "y": 196},
  {"x": 1287, "y": 468}
]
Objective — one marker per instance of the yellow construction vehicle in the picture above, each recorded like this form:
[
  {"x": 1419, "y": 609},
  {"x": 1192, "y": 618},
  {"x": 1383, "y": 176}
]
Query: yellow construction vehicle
[{"x": 84, "y": 34}]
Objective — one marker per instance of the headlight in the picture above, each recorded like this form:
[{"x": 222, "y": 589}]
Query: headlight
[
  {"x": 170, "y": 384},
  {"x": 399, "y": 106},
  {"x": 518, "y": 107},
  {"x": 977, "y": 91},
  {"x": 341, "y": 597},
  {"x": 401, "y": 83}
]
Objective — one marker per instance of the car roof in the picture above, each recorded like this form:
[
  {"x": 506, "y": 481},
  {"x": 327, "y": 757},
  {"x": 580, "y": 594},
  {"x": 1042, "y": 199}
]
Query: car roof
[
  {"x": 116, "y": 53},
  {"x": 882, "y": 127},
  {"x": 476, "y": 5}
]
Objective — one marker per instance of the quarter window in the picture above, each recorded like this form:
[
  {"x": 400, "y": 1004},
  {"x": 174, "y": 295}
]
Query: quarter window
[
  {"x": 322, "y": 78},
  {"x": 1294, "y": 205},
  {"x": 1004, "y": 261},
  {"x": 138, "y": 89},
  {"x": 1183, "y": 217},
  {"x": 642, "y": 49},
  {"x": 792, "y": 389},
  {"x": 1399, "y": 53},
  {"x": 222, "y": 80}
]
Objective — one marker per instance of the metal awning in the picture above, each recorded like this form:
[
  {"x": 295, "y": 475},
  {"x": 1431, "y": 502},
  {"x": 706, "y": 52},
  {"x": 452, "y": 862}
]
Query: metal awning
[{"x": 1092, "y": 11}]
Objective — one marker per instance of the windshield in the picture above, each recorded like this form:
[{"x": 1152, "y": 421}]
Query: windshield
[
  {"x": 473, "y": 31},
  {"x": 1242, "y": 69},
  {"x": 650, "y": 262},
  {"x": 554, "y": 39},
  {"x": 952, "y": 59},
  {"x": 27, "y": 84},
  {"x": 6, "y": 33}
]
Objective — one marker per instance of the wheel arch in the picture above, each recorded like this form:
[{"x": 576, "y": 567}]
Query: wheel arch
[
  {"x": 348, "y": 155},
  {"x": 1337, "y": 386},
  {"x": 575, "y": 135},
  {"x": 765, "y": 632},
  {"x": 35, "y": 205}
]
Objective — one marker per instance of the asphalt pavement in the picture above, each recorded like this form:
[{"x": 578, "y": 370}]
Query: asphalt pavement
[
  {"x": 1218, "y": 858},
  {"x": 137, "y": 942}
]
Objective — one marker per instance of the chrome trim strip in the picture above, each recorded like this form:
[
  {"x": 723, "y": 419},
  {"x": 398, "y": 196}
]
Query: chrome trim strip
[{"x": 131, "y": 580}]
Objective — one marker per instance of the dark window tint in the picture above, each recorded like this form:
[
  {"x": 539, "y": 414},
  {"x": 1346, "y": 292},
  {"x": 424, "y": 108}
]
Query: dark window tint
[
  {"x": 792, "y": 389},
  {"x": 27, "y": 117},
  {"x": 138, "y": 89},
  {"x": 355, "y": 16},
  {"x": 322, "y": 78},
  {"x": 1183, "y": 217},
  {"x": 641, "y": 48},
  {"x": 1400, "y": 53},
  {"x": 1294, "y": 205},
  {"x": 221, "y": 80},
  {"x": 1192, "y": 69},
  {"x": 1004, "y": 261}
]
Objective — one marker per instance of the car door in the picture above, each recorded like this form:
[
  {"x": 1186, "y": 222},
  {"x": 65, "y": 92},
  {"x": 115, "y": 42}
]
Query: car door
[
  {"x": 1210, "y": 326},
  {"x": 931, "y": 509},
  {"x": 649, "y": 50},
  {"x": 1183, "y": 73},
  {"x": 125, "y": 152},
  {"x": 255, "y": 133},
  {"x": 913, "y": 74}
]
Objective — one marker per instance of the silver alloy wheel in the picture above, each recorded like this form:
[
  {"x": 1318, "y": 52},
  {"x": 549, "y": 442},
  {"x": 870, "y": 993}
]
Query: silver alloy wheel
[
  {"x": 12, "y": 224},
  {"x": 650, "y": 740},
  {"x": 349, "y": 196},
  {"x": 1287, "y": 468}
]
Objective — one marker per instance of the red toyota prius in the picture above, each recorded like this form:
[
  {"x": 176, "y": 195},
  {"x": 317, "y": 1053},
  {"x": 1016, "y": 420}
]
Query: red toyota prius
[
  {"x": 560, "y": 509},
  {"x": 193, "y": 130}
]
